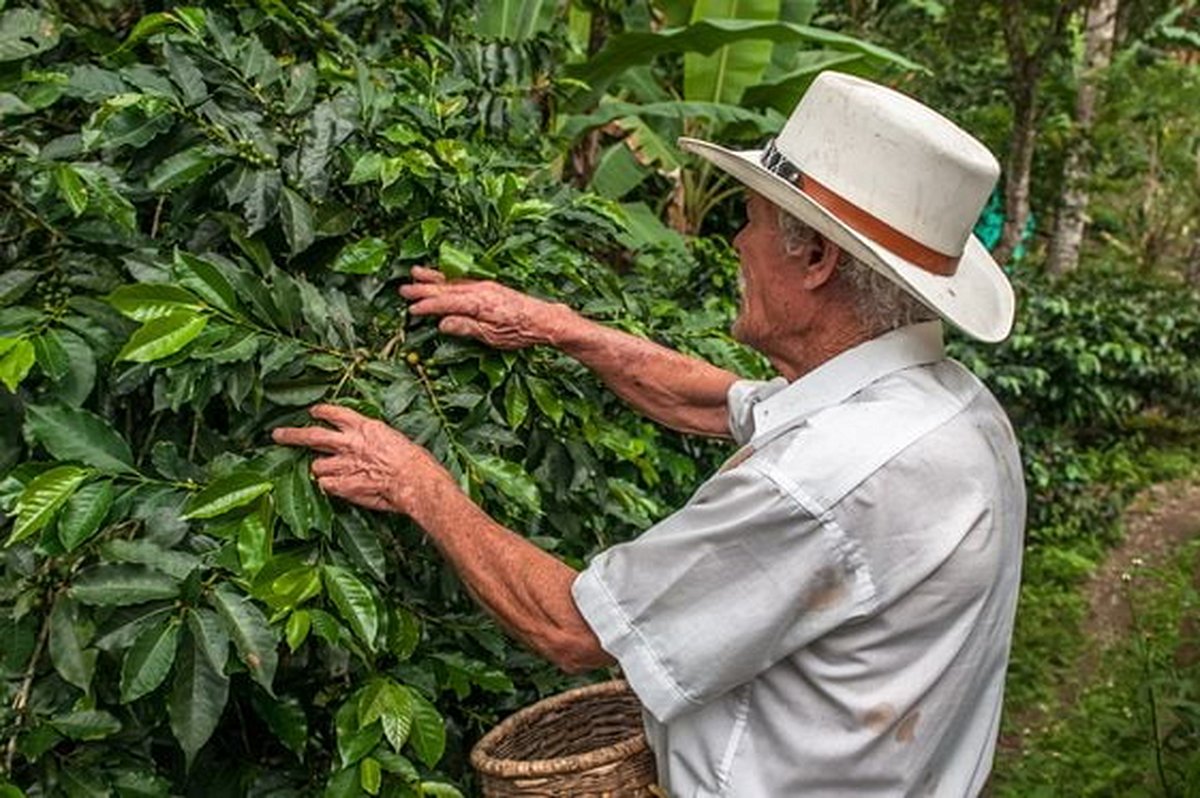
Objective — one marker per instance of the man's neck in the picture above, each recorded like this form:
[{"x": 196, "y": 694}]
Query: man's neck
[{"x": 804, "y": 350}]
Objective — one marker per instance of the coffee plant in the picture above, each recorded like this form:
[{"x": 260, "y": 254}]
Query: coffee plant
[{"x": 204, "y": 215}]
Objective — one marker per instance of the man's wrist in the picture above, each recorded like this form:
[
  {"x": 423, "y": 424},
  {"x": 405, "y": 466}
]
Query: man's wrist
[
  {"x": 563, "y": 326},
  {"x": 420, "y": 485}
]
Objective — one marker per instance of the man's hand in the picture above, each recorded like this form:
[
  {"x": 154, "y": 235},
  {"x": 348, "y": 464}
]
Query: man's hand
[
  {"x": 367, "y": 462},
  {"x": 497, "y": 315}
]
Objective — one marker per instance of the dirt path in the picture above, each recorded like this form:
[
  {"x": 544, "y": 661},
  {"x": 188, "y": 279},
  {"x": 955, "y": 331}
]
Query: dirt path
[{"x": 1159, "y": 521}]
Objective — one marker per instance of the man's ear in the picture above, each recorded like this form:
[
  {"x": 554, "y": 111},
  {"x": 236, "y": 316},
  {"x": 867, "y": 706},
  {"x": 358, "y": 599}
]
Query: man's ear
[{"x": 822, "y": 262}]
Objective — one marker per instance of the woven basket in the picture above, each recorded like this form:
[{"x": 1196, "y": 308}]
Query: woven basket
[{"x": 584, "y": 743}]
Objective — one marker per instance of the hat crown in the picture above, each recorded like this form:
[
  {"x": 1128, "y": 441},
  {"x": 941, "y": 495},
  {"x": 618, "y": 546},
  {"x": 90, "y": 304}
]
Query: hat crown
[{"x": 892, "y": 157}]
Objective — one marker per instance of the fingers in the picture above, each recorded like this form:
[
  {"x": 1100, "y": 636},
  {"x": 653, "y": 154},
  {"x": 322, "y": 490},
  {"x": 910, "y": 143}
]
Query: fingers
[
  {"x": 462, "y": 326},
  {"x": 447, "y": 304},
  {"x": 424, "y": 274},
  {"x": 319, "y": 438},
  {"x": 340, "y": 417},
  {"x": 329, "y": 466}
]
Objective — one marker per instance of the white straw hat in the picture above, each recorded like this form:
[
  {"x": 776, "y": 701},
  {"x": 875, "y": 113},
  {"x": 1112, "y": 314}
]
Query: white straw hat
[{"x": 894, "y": 183}]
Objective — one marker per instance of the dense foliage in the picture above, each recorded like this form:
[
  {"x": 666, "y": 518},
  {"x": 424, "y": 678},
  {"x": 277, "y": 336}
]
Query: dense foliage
[
  {"x": 203, "y": 230},
  {"x": 204, "y": 215}
]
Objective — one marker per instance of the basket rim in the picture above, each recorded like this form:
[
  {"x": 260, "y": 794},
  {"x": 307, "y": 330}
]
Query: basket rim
[{"x": 489, "y": 765}]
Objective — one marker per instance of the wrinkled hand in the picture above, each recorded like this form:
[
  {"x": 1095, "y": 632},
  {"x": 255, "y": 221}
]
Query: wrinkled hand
[
  {"x": 482, "y": 309},
  {"x": 366, "y": 461}
]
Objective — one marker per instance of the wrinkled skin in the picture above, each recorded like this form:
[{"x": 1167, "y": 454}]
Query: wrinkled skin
[
  {"x": 363, "y": 458},
  {"x": 492, "y": 313}
]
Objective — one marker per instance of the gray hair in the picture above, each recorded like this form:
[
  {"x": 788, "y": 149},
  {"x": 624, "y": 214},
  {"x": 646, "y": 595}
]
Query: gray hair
[{"x": 881, "y": 304}]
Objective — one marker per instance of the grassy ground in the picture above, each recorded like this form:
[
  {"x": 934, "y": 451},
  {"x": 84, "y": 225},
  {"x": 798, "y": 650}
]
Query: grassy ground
[{"x": 1104, "y": 692}]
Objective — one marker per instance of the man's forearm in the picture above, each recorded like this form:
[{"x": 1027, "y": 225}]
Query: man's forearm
[
  {"x": 681, "y": 392},
  {"x": 526, "y": 589}
]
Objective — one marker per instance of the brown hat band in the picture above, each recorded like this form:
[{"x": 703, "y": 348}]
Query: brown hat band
[
  {"x": 878, "y": 230},
  {"x": 858, "y": 219}
]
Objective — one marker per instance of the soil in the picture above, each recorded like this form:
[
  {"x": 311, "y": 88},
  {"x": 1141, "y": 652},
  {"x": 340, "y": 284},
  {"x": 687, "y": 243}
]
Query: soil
[{"x": 1158, "y": 522}]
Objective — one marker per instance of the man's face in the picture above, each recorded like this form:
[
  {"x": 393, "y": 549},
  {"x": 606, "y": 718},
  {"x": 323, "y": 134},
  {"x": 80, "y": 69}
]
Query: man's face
[{"x": 771, "y": 293}]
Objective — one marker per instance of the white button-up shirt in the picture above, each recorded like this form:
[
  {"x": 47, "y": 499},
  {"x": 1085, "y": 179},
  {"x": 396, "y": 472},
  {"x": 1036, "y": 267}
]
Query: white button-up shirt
[{"x": 830, "y": 614}]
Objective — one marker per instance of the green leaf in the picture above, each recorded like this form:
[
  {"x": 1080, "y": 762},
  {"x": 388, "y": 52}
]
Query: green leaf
[
  {"x": 84, "y": 512},
  {"x": 295, "y": 499},
  {"x": 119, "y": 585},
  {"x": 546, "y": 398},
  {"x": 74, "y": 663},
  {"x": 301, "y": 88},
  {"x": 723, "y": 76},
  {"x": 70, "y": 433},
  {"x": 253, "y": 637},
  {"x": 25, "y": 32},
  {"x": 343, "y": 784},
  {"x": 618, "y": 172},
  {"x": 42, "y": 498},
  {"x": 207, "y": 281},
  {"x": 296, "y": 217},
  {"x": 370, "y": 776},
  {"x": 510, "y": 479},
  {"x": 783, "y": 91},
  {"x": 51, "y": 355},
  {"x": 285, "y": 718},
  {"x": 439, "y": 789},
  {"x": 513, "y": 20},
  {"x": 15, "y": 363},
  {"x": 210, "y": 635},
  {"x": 354, "y": 741},
  {"x": 77, "y": 384},
  {"x": 254, "y": 539},
  {"x": 293, "y": 588},
  {"x": 404, "y": 633},
  {"x": 362, "y": 257},
  {"x": 181, "y": 169},
  {"x": 163, "y": 336},
  {"x": 428, "y": 735},
  {"x": 185, "y": 74},
  {"x": 454, "y": 262},
  {"x": 226, "y": 493},
  {"x": 361, "y": 542},
  {"x": 15, "y": 283},
  {"x": 720, "y": 113},
  {"x": 177, "y": 564},
  {"x": 71, "y": 188},
  {"x": 392, "y": 705},
  {"x": 296, "y": 632},
  {"x": 149, "y": 660},
  {"x": 354, "y": 602},
  {"x": 197, "y": 700},
  {"x": 634, "y": 48},
  {"x": 90, "y": 724}
]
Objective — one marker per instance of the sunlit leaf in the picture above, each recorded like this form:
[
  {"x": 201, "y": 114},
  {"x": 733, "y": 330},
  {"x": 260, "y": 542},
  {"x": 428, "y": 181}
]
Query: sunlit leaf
[{"x": 42, "y": 498}]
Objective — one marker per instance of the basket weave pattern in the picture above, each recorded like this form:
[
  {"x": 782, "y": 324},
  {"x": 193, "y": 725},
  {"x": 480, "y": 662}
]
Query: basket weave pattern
[{"x": 584, "y": 743}]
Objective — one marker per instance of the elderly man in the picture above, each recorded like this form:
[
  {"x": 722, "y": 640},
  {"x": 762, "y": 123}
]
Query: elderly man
[{"x": 830, "y": 614}]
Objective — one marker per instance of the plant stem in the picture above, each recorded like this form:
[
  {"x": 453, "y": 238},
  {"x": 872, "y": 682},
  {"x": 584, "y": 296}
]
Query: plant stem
[{"x": 21, "y": 701}]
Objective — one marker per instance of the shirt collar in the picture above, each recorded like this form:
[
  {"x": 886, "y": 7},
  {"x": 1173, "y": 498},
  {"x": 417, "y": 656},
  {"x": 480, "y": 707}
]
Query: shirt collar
[{"x": 841, "y": 377}]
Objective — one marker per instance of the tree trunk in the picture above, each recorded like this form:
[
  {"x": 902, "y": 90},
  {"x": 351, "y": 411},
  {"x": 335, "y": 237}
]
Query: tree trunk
[
  {"x": 1191, "y": 271},
  {"x": 1100, "y": 27},
  {"x": 1020, "y": 165}
]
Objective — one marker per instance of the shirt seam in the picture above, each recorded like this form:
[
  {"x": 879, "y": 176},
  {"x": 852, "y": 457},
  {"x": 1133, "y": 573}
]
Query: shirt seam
[
  {"x": 741, "y": 721},
  {"x": 660, "y": 666},
  {"x": 845, "y": 547}
]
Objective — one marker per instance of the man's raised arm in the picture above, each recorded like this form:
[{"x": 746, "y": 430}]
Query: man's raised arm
[{"x": 681, "y": 392}]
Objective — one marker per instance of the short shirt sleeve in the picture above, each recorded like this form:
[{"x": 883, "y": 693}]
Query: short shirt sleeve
[
  {"x": 743, "y": 395},
  {"x": 719, "y": 591}
]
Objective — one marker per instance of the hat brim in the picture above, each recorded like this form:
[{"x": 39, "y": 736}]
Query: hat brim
[{"x": 977, "y": 298}]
